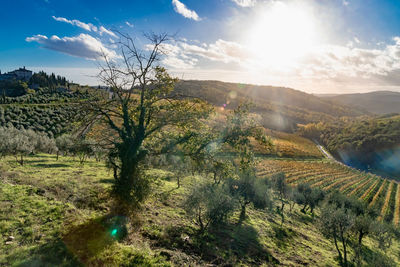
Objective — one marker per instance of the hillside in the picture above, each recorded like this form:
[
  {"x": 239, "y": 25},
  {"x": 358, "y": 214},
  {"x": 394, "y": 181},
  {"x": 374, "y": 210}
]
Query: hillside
[
  {"x": 381, "y": 102},
  {"x": 58, "y": 209},
  {"x": 281, "y": 108},
  {"x": 56, "y": 212},
  {"x": 370, "y": 144}
]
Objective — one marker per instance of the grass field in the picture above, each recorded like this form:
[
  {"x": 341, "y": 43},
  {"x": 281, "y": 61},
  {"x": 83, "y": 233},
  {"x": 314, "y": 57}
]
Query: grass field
[{"x": 56, "y": 212}]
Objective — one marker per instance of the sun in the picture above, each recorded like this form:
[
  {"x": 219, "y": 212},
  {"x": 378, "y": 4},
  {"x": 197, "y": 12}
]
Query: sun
[{"x": 281, "y": 34}]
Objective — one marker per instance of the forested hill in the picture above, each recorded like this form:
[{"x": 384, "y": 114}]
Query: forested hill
[
  {"x": 370, "y": 144},
  {"x": 281, "y": 108},
  {"x": 383, "y": 102}
]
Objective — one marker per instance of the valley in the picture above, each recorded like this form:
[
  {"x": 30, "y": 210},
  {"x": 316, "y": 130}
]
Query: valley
[{"x": 57, "y": 207}]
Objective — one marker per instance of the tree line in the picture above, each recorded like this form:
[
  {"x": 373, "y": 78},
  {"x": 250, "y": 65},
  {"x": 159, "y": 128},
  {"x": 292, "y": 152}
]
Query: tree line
[
  {"x": 53, "y": 120},
  {"x": 366, "y": 142},
  {"x": 20, "y": 143}
]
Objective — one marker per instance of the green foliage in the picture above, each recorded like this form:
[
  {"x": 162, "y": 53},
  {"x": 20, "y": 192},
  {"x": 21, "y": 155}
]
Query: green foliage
[
  {"x": 308, "y": 197},
  {"x": 23, "y": 142},
  {"x": 42, "y": 79},
  {"x": 336, "y": 223},
  {"x": 51, "y": 120},
  {"x": 13, "y": 88},
  {"x": 83, "y": 148},
  {"x": 282, "y": 191},
  {"x": 343, "y": 218},
  {"x": 143, "y": 117},
  {"x": 47, "y": 96},
  {"x": 384, "y": 233},
  {"x": 209, "y": 205},
  {"x": 65, "y": 143},
  {"x": 71, "y": 234},
  {"x": 366, "y": 143},
  {"x": 248, "y": 189}
]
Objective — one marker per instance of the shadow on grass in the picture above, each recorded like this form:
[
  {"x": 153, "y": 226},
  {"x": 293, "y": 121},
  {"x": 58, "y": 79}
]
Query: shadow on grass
[
  {"x": 226, "y": 244},
  {"x": 376, "y": 258},
  {"x": 164, "y": 196},
  {"x": 34, "y": 160},
  {"x": 79, "y": 245},
  {"x": 282, "y": 236},
  {"x": 55, "y": 165},
  {"x": 87, "y": 240},
  {"x": 106, "y": 181},
  {"x": 51, "y": 254}
]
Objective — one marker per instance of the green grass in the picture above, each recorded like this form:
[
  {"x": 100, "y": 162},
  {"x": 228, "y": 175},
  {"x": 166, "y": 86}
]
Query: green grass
[{"x": 58, "y": 213}]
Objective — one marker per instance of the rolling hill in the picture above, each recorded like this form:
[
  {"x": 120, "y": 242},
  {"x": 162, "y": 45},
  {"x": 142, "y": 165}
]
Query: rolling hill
[
  {"x": 55, "y": 211},
  {"x": 281, "y": 108},
  {"x": 382, "y": 102}
]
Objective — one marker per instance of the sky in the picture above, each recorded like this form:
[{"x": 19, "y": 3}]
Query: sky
[{"x": 317, "y": 46}]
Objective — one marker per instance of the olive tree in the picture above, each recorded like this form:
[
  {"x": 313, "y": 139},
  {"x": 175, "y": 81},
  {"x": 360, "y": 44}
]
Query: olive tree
[
  {"x": 209, "y": 204},
  {"x": 308, "y": 197},
  {"x": 64, "y": 144},
  {"x": 143, "y": 114},
  {"x": 282, "y": 192},
  {"x": 249, "y": 189},
  {"x": 336, "y": 223}
]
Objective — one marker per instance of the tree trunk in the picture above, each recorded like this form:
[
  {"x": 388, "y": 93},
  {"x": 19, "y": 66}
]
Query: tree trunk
[
  {"x": 242, "y": 216},
  {"x": 303, "y": 210},
  {"x": 338, "y": 250},
  {"x": 359, "y": 248},
  {"x": 201, "y": 221},
  {"x": 57, "y": 155},
  {"x": 130, "y": 186},
  {"x": 360, "y": 237},
  {"x": 291, "y": 206},
  {"x": 344, "y": 248},
  {"x": 22, "y": 160}
]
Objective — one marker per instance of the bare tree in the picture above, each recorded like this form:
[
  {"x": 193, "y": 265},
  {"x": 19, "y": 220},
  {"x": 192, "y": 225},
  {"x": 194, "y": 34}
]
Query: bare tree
[{"x": 142, "y": 113}]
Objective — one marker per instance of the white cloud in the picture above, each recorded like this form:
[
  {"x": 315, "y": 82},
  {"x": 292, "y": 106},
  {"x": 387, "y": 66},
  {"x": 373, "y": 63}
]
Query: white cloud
[
  {"x": 83, "y": 45},
  {"x": 180, "y": 8},
  {"x": 328, "y": 65},
  {"x": 245, "y": 3},
  {"x": 179, "y": 63},
  {"x": 86, "y": 26},
  {"x": 104, "y": 30},
  {"x": 182, "y": 54},
  {"x": 338, "y": 61},
  {"x": 345, "y": 3},
  {"x": 129, "y": 24}
]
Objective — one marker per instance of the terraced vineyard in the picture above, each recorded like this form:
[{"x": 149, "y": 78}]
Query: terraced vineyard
[{"x": 379, "y": 193}]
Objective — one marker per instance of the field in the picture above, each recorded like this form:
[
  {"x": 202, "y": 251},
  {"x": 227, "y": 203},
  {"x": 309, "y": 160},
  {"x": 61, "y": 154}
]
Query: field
[
  {"x": 56, "y": 212},
  {"x": 378, "y": 192}
]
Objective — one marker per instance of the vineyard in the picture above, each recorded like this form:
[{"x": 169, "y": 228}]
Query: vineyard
[{"x": 381, "y": 194}]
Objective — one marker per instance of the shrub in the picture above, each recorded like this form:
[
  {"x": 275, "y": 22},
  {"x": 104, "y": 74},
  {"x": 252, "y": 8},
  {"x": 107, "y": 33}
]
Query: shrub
[
  {"x": 209, "y": 205},
  {"x": 308, "y": 197}
]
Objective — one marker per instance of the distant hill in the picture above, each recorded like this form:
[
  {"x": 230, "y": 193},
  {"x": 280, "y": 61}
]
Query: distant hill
[
  {"x": 370, "y": 143},
  {"x": 382, "y": 102},
  {"x": 281, "y": 108}
]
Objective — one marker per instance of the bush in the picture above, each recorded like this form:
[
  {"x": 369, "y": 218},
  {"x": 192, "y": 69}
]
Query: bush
[
  {"x": 21, "y": 142},
  {"x": 249, "y": 189},
  {"x": 209, "y": 205}
]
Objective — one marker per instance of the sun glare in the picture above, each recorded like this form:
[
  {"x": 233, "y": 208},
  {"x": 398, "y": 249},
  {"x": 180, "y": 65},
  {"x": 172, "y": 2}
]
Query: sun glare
[{"x": 281, "y": 34}]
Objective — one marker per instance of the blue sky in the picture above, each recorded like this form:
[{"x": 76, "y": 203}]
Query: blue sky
[{"x": 313, "y": 45}]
